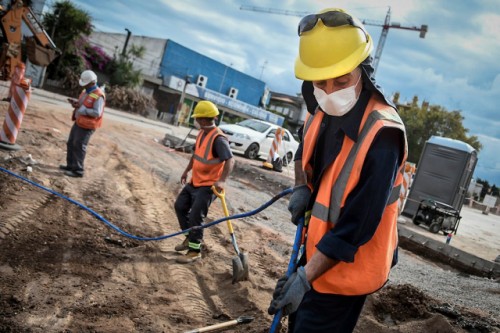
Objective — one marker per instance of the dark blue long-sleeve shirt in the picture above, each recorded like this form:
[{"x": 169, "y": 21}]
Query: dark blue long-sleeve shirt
[{"x": 361, "y": 214}]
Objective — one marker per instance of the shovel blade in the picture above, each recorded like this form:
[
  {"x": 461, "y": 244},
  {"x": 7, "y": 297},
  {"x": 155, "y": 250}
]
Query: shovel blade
[
  {"x": 244, "y": 263},
  {"x": 240, "y": 268}
]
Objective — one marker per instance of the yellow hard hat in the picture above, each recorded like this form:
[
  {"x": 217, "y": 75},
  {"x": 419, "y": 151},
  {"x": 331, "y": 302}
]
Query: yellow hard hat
[
  {"x": 332, "y": 43},
  {"x": 205, "y": 109}
]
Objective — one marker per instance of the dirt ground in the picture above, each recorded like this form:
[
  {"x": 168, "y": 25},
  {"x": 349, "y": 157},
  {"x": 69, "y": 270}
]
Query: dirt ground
[{"x": 62, "y": 269}]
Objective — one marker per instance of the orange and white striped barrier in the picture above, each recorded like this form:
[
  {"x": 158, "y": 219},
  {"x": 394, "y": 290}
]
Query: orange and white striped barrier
[
  {"x": 16, "y": 78},
  {"x": 274, "y": 151},
  {"x": 409, "y": 171},
  {"x": 14, "y": 117}
]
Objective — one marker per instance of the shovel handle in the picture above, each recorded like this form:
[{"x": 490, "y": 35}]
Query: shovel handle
[
  {"x": 292, "y": 266},
  {"x": 240, "y": 320},
  {"x": 222, "y": 196}
]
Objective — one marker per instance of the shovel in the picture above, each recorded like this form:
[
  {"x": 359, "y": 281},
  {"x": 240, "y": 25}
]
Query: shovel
[
  {"x": 240, "y": 262},
  {"x": 237, "y": 321},
  {"x": 292, "y": 267}
]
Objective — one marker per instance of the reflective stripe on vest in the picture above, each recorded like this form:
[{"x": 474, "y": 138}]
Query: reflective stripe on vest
[
  {"x": 207, "y": 169},
  {"x": 331, "y": 214},
  {"x": 370, "y": 268}
]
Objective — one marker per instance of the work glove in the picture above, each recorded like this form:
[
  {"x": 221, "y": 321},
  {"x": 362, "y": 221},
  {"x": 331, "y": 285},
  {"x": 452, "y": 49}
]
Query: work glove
[
  {"x": 298, "y": 202},
  {"x": 289, "y": 292}
]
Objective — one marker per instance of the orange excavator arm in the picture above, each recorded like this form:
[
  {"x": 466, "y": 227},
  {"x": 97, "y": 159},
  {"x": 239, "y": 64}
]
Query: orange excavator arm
[{"x": 40, "y": 48}]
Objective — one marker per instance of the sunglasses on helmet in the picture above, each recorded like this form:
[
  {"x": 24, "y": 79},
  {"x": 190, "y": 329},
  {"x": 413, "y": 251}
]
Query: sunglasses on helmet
[{"x": 330, "y": 19}]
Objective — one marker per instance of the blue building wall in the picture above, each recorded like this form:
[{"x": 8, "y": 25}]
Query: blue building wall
[{"x": 181, "y": 61}]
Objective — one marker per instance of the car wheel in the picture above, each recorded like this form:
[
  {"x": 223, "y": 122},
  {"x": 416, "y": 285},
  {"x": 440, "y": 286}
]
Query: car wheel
[
  {"x": 252, "y": 151},
  {"x": 288, "y": 158}
]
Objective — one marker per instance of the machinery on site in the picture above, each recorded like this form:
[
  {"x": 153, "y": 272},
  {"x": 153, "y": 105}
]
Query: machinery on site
[
  {"x": 437, "y": 216},
  {"x": 443, "y": 174},
  {"x": 440, "y": 185},
  {"x": 40, "y": 49}
]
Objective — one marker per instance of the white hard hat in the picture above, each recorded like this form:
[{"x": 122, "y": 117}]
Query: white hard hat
[{"x": 86, "y": 77}]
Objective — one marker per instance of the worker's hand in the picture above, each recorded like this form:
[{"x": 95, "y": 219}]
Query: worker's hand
[
  {"x": 220, "y": 186},
  {"x": 74, "y": 103},
  {"x": 289, "y": 292},
  {"x": 184, "y": 177},
  {"x": 298, "y": 202}
]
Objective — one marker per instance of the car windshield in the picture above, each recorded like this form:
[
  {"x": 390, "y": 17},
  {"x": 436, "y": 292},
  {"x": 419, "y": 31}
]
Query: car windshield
[{"x": 255, "y": 125}]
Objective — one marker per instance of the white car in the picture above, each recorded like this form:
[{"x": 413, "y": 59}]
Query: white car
[{"x": 254, "y": 139}]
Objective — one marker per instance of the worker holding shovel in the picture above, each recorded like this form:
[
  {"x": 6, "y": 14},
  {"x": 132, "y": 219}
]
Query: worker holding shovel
[
  {"x": 348, "y": 178},
  {"x": 211, "y": 163}
]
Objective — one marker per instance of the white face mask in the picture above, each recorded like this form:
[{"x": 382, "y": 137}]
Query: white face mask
[
  {"x": 198, "y": 126},
  {"x": 339, "y": 102}
]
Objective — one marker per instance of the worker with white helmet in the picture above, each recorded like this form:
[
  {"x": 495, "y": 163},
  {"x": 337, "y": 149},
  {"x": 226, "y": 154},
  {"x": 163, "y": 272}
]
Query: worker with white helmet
[
  {"x": 347, "y": 178},
  {"x": 87, "y": 115},
  {"x": 211, "y": 163}
]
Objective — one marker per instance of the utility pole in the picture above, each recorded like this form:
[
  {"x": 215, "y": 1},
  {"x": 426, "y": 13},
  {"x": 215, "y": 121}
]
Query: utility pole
[
  {"x": 262, "y": 71},
  {"x": 56, "y": 22},
  {"x": 187, "y": 80},
  {"x": 224, "y": 76},
  {"x": 385, "y": 26},
  {"x": 124, "y": 51}
]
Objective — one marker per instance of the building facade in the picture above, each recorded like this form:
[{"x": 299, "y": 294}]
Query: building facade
[
  {"x": 292, "y": 108},
  {"x": 178, "y": 77}
]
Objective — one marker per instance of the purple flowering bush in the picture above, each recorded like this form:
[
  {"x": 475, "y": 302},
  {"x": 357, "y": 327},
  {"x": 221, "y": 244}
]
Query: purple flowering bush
[{"x": 93, "y": 56}]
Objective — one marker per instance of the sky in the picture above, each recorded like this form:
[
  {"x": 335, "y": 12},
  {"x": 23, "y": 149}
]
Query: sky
[{"x": 455, "y": 66}]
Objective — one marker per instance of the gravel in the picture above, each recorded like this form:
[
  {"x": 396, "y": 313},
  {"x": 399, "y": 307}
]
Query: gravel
[{"x": 447, "y": 285}]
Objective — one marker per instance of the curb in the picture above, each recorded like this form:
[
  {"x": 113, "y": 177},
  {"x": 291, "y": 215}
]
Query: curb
[{"x": 447, "y": 254}]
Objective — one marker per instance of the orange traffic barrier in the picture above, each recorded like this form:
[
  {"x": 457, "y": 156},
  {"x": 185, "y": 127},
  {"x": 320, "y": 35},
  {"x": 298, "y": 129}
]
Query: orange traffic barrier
[
  {"x": 14, "y": 117},
  {"x": 274, "y": 151},
  {"x": 16, "y": 78},
  {"x": 409, "y": 171}
]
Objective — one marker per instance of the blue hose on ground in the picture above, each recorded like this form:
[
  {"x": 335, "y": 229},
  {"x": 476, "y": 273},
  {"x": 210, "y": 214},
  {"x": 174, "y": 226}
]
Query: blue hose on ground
[
  {"x": 292, "y": 267},
  {"x": 109, "y": 224}
]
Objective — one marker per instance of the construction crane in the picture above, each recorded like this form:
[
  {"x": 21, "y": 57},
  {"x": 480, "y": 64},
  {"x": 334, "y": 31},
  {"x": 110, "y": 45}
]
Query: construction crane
[{"x": 385, "y": 26}]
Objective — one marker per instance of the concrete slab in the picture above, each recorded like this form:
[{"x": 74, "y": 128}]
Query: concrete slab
[{"x": 473, "y": 249}]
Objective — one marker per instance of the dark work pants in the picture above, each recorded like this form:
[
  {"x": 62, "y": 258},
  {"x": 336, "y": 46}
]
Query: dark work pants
[
  {"x": 77, "y": 147},
  {"x": 191, "y": 208},
  {"x": 326, "y": 313}
]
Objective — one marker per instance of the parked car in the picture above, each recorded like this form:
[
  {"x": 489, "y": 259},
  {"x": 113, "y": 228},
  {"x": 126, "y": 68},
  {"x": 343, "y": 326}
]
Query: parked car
[{"x": 254, "y": 139}]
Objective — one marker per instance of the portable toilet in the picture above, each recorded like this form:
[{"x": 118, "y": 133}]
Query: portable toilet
[{"x": 443, "y": 174}]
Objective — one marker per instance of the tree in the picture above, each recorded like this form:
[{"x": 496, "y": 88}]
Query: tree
[
  {"x": 121, "y": 68},
  {"x": 495, "y": 191},
  {"x": 424, "y": 121},
  {"x": 67, "y": 25},
  {"x": 487, "y": 189}
]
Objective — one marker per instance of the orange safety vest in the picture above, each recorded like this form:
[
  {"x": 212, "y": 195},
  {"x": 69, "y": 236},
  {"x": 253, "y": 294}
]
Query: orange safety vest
[
  {"x": 88, "y": 101},
  {"x": 206, "y": 168},
  {"x": 372, "y": 262}
]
